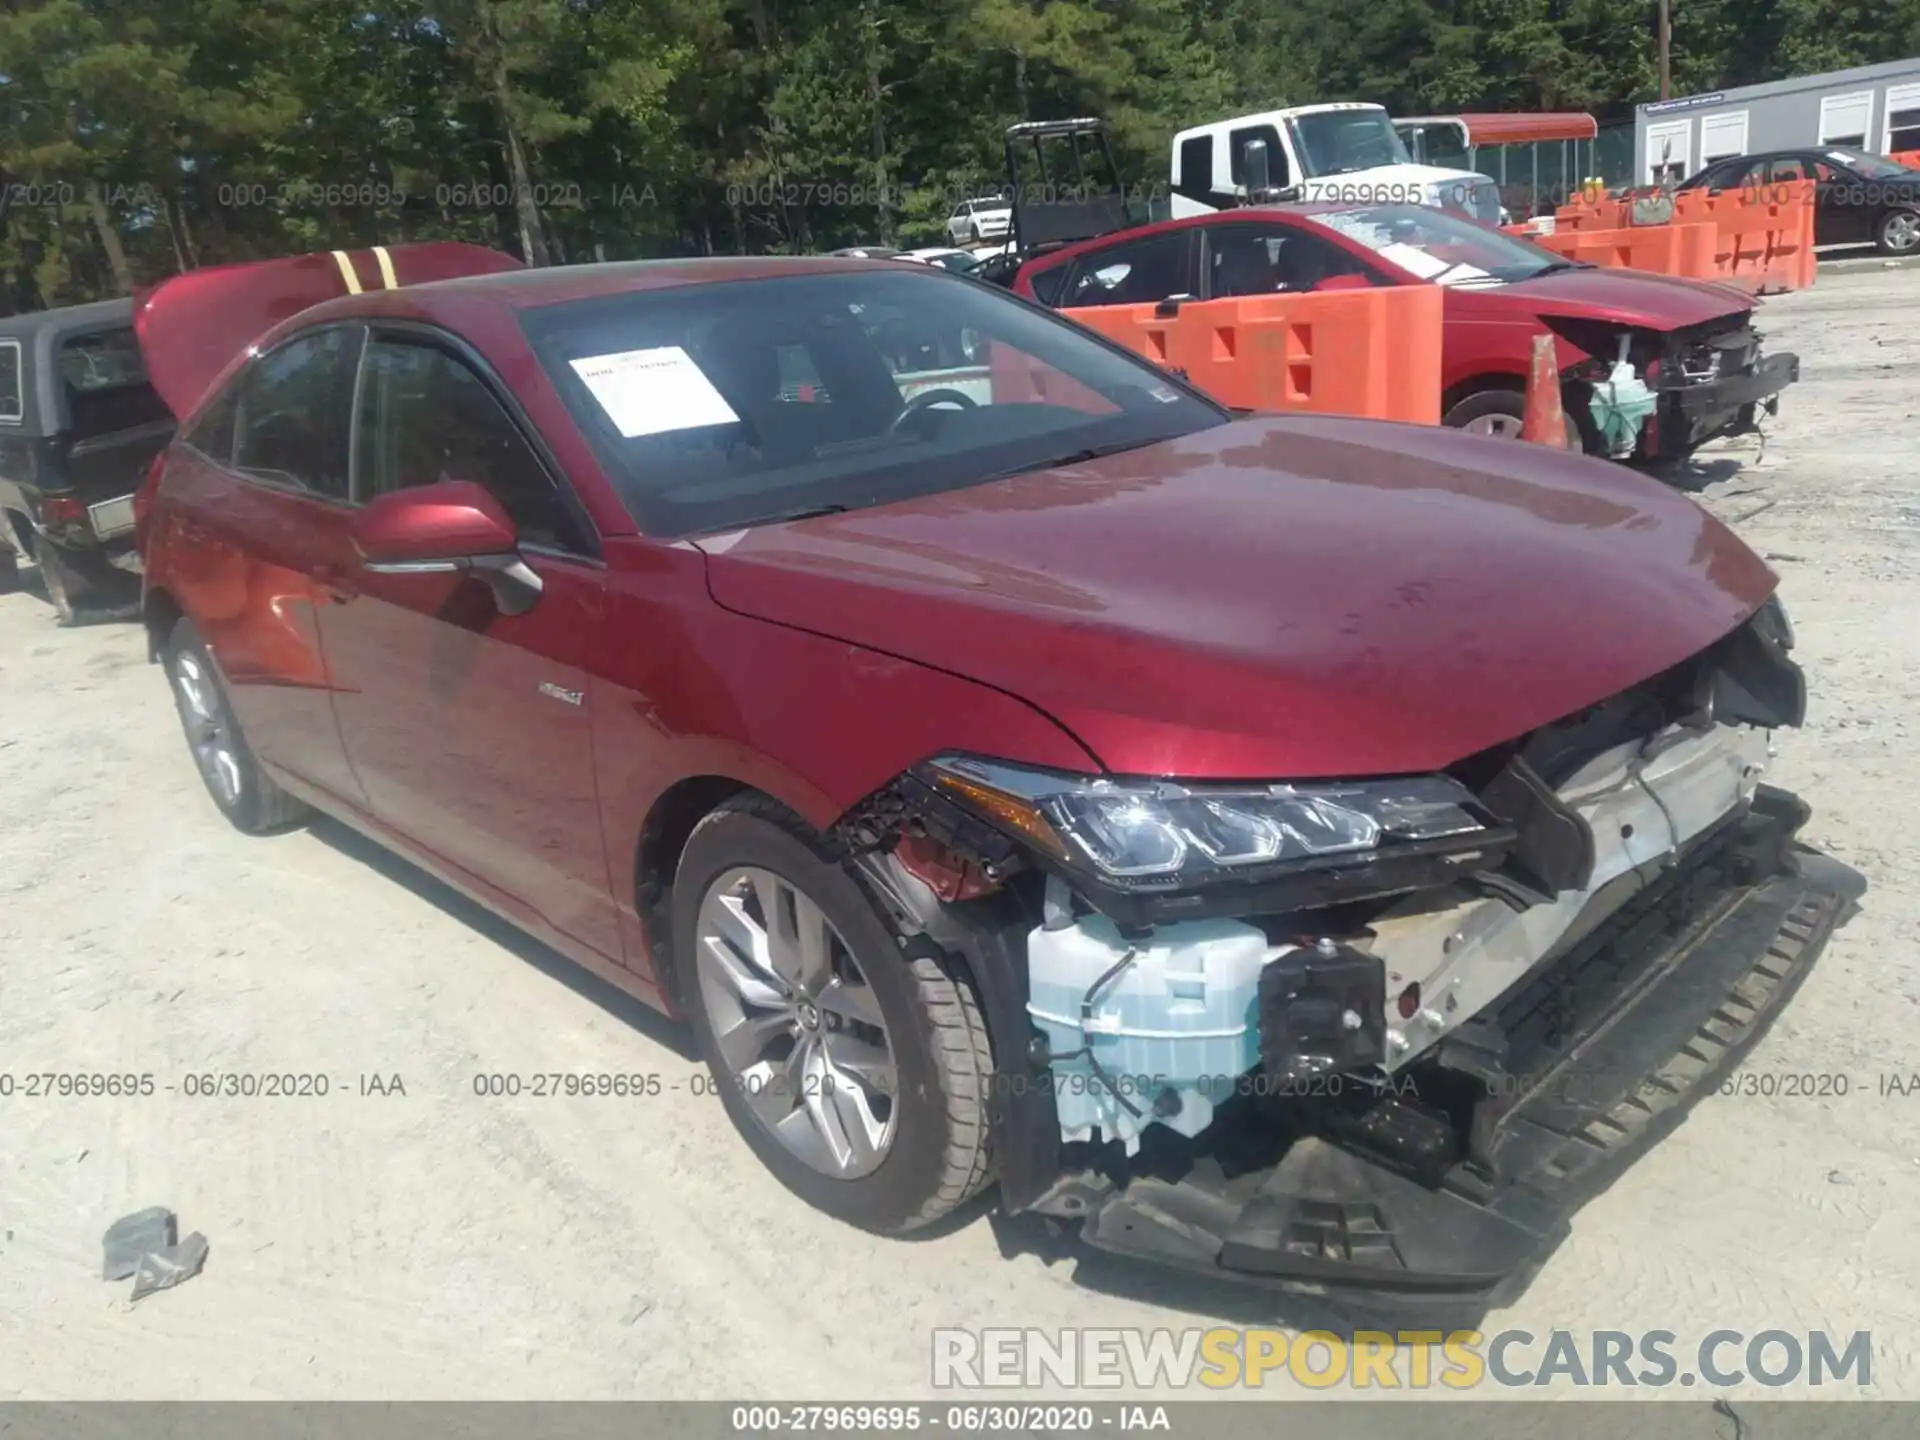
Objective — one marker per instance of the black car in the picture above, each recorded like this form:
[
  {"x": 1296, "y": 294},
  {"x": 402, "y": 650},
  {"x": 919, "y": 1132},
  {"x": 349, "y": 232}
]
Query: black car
[
  {"x": 1860, "y": 198},
  {"x": 79, "y": 424}
]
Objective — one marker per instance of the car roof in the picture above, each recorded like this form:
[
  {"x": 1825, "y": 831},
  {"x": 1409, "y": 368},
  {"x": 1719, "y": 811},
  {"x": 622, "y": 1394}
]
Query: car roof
[
  {"x": 68, "y": 319},
  {"x": 1301, "y": 210}
]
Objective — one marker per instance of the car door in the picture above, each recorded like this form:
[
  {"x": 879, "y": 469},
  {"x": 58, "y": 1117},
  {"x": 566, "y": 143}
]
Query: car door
[
  {"x": 470, "y": 728},
  {"x": 257, "y": 518},
  {"x": 1841, "y": 214}
]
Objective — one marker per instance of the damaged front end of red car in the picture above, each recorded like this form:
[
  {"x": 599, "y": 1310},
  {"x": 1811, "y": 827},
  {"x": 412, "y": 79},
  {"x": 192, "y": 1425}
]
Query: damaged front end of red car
[{"x": 1381, "y": 1038}]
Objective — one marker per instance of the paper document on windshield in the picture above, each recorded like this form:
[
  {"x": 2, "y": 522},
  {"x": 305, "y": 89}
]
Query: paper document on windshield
[{"x": 648, "y": 392}]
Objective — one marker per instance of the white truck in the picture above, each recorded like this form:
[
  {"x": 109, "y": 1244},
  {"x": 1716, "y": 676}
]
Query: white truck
[{"x": 1341, "y": 153}]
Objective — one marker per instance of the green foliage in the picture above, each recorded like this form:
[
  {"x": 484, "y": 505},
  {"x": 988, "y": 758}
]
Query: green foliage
[{"x": 142, "y": 137}]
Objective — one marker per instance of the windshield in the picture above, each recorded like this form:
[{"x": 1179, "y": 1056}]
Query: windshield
[
  {"x": 719, "y": 405},
  {"x": 1872, "y": 167},
  {"x": 1441, "y": 247},
  {"x": 1338, "y": 142}
]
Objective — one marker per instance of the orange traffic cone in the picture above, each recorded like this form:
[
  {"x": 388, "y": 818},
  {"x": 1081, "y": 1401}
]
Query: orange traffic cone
[{"x": 1544, "y": 422}]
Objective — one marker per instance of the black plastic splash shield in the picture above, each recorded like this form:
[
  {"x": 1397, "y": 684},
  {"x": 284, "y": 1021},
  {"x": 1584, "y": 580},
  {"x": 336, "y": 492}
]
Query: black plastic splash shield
[{"x": 1606, "y": 1053}]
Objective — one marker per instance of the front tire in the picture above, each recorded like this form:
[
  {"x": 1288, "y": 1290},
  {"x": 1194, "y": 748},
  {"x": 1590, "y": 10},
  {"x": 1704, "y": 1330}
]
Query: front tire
[
  {"x": 1898, "y": 233},
  {"x": 1501, "y": 414},
  {"x": 245, "y": 793},
  {"x": 855, "y": 1069}
]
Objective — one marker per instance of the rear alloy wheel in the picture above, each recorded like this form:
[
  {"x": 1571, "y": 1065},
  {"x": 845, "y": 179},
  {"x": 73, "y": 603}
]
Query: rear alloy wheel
[
  {"x": 1501, "y": 414},
  {"x": 1898, "y": 233},
  {"x": 245, "y": 793},
  {"x": 855, "y": 1070}
]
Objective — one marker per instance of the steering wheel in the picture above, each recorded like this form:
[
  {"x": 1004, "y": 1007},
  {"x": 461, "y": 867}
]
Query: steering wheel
[{"x": 930, "y": 399}]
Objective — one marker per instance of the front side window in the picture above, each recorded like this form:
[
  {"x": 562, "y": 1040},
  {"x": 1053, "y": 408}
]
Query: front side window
[
  {"x": 916, "y": 383},
  {"x": 1443, "y": 248},
  {"x": 1238, "y": 143},
  {"x": 425, "y": 417},
  {"x": 1273, "y": 260},
  {"x": 290, "y": 422}
]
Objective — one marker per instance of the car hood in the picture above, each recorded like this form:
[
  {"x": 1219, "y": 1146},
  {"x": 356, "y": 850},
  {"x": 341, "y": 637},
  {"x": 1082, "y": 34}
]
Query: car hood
[
  {"x": 1627, "y": 297},
  {"x": 1283, "y": 598}
]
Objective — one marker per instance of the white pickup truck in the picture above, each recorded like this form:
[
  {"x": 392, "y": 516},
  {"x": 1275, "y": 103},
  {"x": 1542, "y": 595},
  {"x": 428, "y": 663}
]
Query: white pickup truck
[{"x": 1340, "y": 153}]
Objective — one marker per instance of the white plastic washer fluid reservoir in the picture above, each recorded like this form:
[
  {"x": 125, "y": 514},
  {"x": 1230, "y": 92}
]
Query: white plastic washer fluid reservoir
[{"x": 1169, "y": 1033}]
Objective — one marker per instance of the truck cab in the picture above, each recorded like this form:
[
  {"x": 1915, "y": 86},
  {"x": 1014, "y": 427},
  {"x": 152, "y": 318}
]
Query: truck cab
[{"x": 1344, "y": 153}]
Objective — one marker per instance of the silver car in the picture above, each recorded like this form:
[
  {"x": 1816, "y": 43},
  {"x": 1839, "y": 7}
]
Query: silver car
[{"x": 987, "y": 218}]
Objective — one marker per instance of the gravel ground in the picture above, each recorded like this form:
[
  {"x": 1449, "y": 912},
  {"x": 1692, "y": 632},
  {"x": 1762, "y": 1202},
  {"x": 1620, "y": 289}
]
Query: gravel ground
[{"x": 437, "y": 1244}]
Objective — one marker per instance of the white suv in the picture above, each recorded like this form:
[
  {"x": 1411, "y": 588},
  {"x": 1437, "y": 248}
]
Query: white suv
[{"x": 988, "y": 218}]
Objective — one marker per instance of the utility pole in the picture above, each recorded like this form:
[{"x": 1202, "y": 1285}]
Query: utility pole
[{"x": 1666, "y": 45}]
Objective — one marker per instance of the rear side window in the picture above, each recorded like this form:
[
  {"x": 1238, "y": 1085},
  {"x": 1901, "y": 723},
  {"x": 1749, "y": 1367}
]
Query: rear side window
[
  {"x": 211, "y": 432},
  {"x": 291, "y": 425},
  {"x": 12, "y": 401},
  {"x": 425, "y": 416},
  {"x": 1047, "y": 284}
]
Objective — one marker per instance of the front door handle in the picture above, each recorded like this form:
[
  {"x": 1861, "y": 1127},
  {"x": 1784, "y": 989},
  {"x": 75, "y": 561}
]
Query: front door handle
[{"x": 334, "y": 584}]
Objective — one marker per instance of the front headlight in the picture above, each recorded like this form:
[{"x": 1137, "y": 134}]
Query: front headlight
[{"x": 1162, "y": 831}]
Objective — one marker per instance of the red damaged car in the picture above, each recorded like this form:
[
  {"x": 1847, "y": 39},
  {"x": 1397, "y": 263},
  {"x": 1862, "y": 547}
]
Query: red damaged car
[
  {"x": 1305, "y": 850},
  {"x": 1691, "y": 343}
]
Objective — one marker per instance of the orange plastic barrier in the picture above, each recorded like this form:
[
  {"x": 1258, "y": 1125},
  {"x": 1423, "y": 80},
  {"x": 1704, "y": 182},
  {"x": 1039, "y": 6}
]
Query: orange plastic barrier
[
  {"x": 1908, "y": 158},
  {"x": 1601, "y": 214},
  {"x": 1374, "y": 353},
  {"x": 1673, "y": 249},
  {"x": 1765, "y": 240},
  {"x": 1762, "y": 236}
]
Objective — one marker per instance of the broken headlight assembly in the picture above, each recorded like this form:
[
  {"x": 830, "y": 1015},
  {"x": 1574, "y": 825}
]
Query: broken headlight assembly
[{"x": 1308, "y": 843}]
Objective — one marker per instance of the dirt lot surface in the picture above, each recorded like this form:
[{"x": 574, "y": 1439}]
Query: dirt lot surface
[{"x": 438, "y": 1244}]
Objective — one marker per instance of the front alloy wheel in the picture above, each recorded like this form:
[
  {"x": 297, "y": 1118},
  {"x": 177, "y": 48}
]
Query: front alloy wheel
[
  {"x": 854, "y": 1066},
  {"x": 796, "y": 1023}
]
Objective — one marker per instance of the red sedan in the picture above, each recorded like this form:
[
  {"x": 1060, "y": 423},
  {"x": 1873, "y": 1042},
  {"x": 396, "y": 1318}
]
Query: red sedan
[
  {"x": 1690, "y": 342},
  {"x": 1009, "y": 763}
]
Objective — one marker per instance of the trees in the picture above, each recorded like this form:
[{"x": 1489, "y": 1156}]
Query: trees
[{"x": 141, "y": 137}]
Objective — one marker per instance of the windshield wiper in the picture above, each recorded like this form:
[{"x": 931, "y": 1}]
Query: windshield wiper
[
  {"x": 1559, "y": 265},
  {"x": 1076, "y": 457},
  {"x": 799, "y": 512}
]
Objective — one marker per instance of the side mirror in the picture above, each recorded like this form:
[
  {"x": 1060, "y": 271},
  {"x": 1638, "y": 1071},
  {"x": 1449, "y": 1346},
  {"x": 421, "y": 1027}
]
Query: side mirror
[
  {"x": 1259, "y": 169},
  {"x": 452, "y": 527}
]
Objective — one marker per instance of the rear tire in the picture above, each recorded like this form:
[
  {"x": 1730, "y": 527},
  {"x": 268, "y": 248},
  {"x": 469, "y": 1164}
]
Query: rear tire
[
  {"x": 71, "y": 581},
  {"x": 916, "y": 1008},
  {"x": 245, "y": 793},
  {"x": 9, "y": 568}
]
